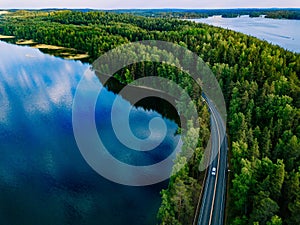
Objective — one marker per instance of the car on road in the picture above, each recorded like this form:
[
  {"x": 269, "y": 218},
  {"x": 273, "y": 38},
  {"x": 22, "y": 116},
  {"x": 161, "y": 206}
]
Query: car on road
[{"x": 213, "y": 171}]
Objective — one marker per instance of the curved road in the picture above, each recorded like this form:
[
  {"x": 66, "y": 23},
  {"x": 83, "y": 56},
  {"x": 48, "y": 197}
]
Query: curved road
[{"x": 213, "y": 200}]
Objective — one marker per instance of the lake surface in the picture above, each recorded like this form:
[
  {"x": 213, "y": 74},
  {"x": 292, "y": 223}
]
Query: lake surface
[
  {"x": 43, "y": 177},
  {"x": 285, "y": 33}
]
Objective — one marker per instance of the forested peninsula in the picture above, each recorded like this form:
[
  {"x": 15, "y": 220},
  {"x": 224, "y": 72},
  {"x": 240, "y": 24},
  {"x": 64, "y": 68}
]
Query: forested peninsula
[{"x": 204, "y": 13}]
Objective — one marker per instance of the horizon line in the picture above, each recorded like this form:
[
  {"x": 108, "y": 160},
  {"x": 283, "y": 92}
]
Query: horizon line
[{"x": 38, "y": 8}]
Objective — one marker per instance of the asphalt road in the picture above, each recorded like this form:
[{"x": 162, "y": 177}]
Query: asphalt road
[{"x": 213, "y": 200}]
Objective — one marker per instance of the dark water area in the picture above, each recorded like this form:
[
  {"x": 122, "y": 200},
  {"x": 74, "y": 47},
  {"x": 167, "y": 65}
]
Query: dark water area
[
  {"x": 163, "y": 103},
  {"x": 43, "y": 177}
]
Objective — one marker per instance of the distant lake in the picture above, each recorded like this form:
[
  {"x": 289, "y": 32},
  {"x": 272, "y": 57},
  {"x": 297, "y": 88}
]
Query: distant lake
[
  {"x": 43, "y": 177},
  {"x": 285, "y": 33}
]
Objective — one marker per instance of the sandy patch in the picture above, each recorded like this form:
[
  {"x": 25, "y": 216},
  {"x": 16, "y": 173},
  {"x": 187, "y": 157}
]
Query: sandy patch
[
  {"x": 6, "y": 37},
  {"x": 78, "y": 56},
  {"x": 43, "y": 46},
  {"x": 3, "y": 12},
  {"x": 25, "y": 42}
]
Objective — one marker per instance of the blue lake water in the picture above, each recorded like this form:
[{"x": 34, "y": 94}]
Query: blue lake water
[
  {"x": 43, "y": 177},
  {"x": 285, "y": 33}
]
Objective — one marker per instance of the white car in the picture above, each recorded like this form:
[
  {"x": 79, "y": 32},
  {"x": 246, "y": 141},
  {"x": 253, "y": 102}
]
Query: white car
[{"x": 213, "y": 171}]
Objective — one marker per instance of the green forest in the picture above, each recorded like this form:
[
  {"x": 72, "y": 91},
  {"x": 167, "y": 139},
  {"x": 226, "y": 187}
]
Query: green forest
[
  {"x": 261, "y": 87},
  {"x": 204, "y": 13}
]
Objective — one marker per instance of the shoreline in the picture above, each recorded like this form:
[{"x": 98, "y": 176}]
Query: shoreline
[{"x": 59, "y": 51}]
